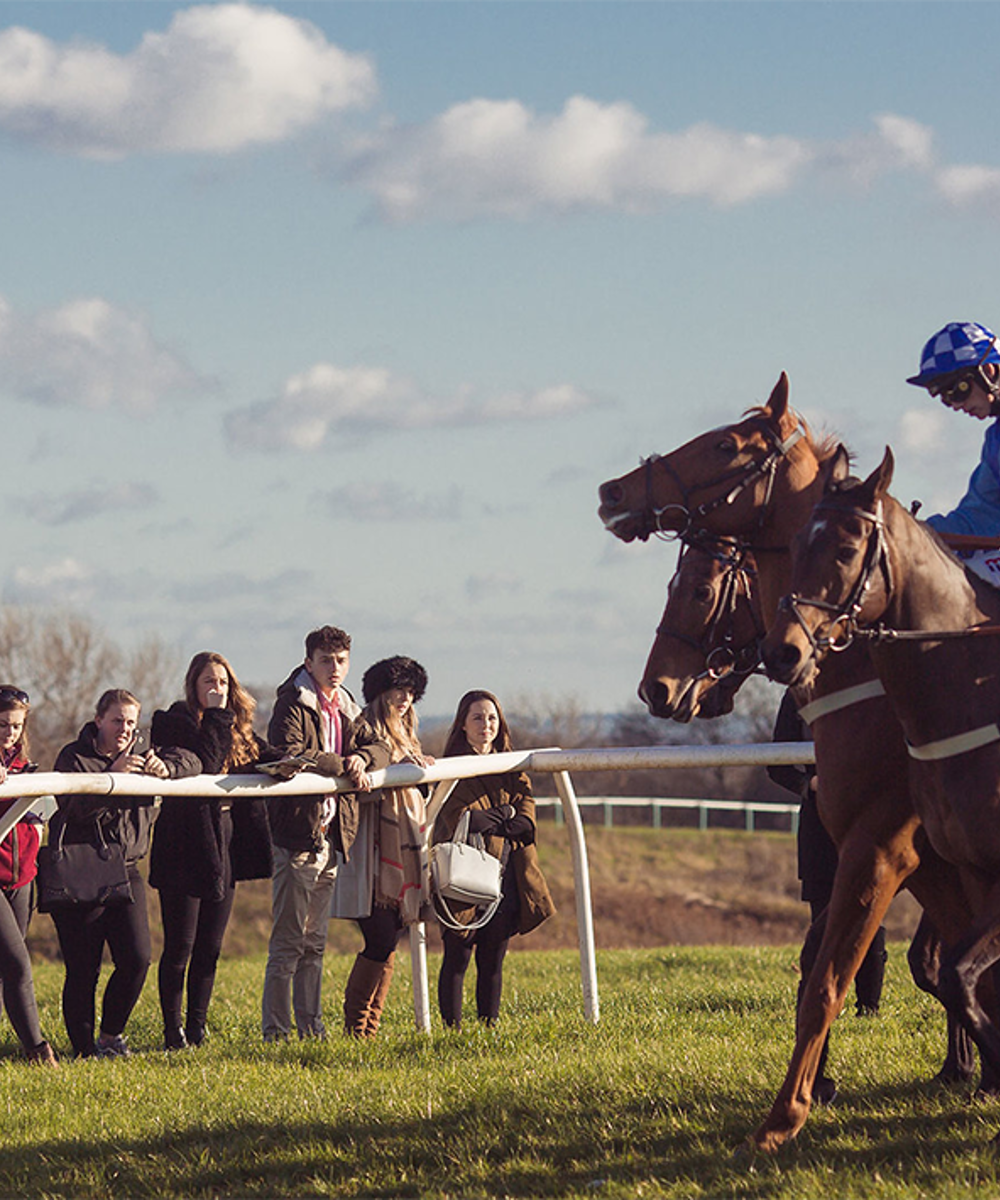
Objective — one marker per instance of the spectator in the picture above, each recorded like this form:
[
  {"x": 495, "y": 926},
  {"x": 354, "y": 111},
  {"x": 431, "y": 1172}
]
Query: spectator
[
  {"x": 316, "y": 722},
  {"x": 109, "y": 743},
  {"x": 203, "y": 845},
  {"x": 389, "y": 882},
  {"x": 502, "y": 809},
  {"x": 18, "y": 855}
]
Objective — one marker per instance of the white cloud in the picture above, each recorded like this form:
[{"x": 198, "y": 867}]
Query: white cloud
[
  {"x": 221, "y": 77},
  {"x": 499, "y": 158},
  {"x": 970, "y": 186},
  {"x": 88, "y": 354},
  {"x": 922, "y": 431},
  {"x": 78, "y": 505},
  {"x": 327, "y": 399},
  {"x": 500, "y": 584},
  {"x": 897, "y": 144},
  {"x": 390, "y": 502},
  {"x": 66, "y": 581}
]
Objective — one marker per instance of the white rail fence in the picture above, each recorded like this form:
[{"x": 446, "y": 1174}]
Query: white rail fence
[
  {"x": 445, "y": 773},
  {"x": 658, "y": 804}
]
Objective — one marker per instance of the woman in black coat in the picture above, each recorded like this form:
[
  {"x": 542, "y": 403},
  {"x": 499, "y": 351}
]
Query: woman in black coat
[{"x": 203, "y": 845}]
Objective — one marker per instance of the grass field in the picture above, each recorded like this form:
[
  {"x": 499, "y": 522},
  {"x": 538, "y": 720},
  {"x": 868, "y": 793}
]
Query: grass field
[{"x": 691, "y": 1045}]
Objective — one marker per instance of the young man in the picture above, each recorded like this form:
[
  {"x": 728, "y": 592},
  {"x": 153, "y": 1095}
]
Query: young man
[
  {"x": 961, "y": 366},
  {"x": 315, "y": 719}
]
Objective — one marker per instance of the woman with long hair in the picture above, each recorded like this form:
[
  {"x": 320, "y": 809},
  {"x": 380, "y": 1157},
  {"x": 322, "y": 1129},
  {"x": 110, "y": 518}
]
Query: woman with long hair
[
  {"x": 202, "y": 846},
  {"x": 502, "y": 810},
  {"x": 394, "y": 889},
  {"x": 18, "y": 857}
]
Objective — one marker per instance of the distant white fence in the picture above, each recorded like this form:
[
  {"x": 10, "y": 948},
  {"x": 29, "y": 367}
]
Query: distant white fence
[
  {"x": 445, "y": 773},
  {"x": 657, "y": 804}
]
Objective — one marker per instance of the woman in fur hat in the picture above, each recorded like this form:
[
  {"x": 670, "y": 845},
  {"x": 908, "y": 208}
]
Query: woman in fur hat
[
  {"x": 502, "y": 809},
  {"x": 399, "y": 890}
]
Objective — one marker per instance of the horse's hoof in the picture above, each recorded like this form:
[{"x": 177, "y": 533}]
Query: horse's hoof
[
  {"x": 824, "y": 1091},
  {"x": 744, "y": 1157}
]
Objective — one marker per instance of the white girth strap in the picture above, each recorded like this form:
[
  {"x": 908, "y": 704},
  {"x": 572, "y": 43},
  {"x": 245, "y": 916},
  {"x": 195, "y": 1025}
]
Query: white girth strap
[
  {"x": 961, "y": 743},
  {"x": 842, "y": 699}
]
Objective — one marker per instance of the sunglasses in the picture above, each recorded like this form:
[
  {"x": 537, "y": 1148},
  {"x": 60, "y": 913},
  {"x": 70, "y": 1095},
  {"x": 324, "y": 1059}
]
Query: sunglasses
[
  {"x": 959, "y": 390},
  {"x": 13, "y": 693},
  {"x": 955, "y": 394}
]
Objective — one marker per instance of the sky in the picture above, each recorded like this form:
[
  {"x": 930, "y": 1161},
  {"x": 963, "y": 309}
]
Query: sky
[{"x": 341, "y": 312}]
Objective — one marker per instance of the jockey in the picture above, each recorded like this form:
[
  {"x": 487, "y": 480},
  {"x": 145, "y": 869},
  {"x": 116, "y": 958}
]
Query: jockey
[{"x": 961, "y": 365}]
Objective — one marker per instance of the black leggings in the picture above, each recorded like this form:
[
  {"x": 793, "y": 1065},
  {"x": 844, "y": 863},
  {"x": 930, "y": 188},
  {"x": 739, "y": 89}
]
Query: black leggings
[
  {"x": 381, "y": 931},
  {"x": 193, "y": 930},
  {"x": 82, "y": 937},
  {"x": 490, "y": 944},
  {"x": 18, "y": 987}
]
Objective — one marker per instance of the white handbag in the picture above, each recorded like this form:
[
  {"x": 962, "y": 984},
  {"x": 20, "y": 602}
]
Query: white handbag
[{"x": 463, "y": 872}]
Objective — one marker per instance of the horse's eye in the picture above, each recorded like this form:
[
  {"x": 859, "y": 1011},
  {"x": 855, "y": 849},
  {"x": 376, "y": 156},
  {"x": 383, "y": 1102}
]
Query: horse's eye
[
  {"x": 703, "y": 593},
  {"x": 727, "y": 446},
  {"x": 846, "y": 555}
]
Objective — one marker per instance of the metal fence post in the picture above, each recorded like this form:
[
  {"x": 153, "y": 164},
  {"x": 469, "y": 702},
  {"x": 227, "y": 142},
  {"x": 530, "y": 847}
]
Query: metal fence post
[{"x": 581, "y": 889}]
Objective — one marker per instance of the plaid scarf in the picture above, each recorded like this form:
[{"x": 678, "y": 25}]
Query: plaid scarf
[{"x": 403, "y": 879}]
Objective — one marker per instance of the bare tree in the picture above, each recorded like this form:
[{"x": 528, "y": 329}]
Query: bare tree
[{"x": 64, "y": 662}]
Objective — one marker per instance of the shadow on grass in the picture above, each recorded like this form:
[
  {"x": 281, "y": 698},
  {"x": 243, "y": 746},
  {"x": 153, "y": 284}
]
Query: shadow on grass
[{"x": 486, "y": 1148}]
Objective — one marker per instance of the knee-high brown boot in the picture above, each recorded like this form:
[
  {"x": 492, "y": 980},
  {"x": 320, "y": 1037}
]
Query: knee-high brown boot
[
  {"x": 379, "y": 998},
  {"x": 359, "y": 995}
]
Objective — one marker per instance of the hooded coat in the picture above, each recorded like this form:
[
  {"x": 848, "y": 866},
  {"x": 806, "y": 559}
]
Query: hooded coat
[{"x": 296, "y": 729}]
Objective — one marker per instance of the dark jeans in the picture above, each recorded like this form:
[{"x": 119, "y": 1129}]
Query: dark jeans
[
  {"x": 490, "y": 944},
  {"x": 18, "y": 988},
  {"x": 381, "y": 931},
  {"x": 193, "y": 930},
  {"x": 124, "y": 928}
]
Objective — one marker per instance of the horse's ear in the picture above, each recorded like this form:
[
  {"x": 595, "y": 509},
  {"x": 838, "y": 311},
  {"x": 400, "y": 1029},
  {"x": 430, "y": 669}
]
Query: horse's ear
[
  {"x": 837, "y": 468},
  {"x": 877, "y": 484},
  {"x": 777, "y": 404}
]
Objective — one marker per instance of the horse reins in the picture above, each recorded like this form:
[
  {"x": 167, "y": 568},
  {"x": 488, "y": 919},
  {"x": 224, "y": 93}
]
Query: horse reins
[
  {"x": 846, "y": 614},
  {"x": 718, "y": 651},
  {"x": 742, "y": 478}
]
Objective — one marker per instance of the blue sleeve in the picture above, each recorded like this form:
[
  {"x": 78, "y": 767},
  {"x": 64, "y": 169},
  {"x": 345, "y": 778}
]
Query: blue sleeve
[{"x": 978, "y": 512}]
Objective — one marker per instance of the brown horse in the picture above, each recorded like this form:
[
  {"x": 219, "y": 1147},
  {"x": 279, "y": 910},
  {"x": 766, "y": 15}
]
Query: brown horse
[
  {"x": 709, "y": 632},
  {"x": 758, "y": 479},
  {"x": 863, "y": 559}
]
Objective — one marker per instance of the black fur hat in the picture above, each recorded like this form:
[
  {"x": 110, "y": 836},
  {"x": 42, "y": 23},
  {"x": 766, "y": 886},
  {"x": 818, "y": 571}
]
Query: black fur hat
[{"x": 395, "y": 672}]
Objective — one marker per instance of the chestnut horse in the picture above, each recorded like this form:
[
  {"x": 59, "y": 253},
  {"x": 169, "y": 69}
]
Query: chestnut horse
[
  {"x": 863, "y": 559},
  {"x": 709, "y": 632},
  {"x": 758, "y": 480}
]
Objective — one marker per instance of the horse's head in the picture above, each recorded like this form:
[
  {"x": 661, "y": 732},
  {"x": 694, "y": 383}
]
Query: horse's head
[
  {"x": 841, "y": 576},
  {"x": 706, "y": 642},
  {"x": 721, "y": 481}
]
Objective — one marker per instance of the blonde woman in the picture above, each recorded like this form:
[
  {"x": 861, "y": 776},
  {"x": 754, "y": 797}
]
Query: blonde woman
[
  {"x": 395, "y": 887},
  {"x": 202, "y": 846}
]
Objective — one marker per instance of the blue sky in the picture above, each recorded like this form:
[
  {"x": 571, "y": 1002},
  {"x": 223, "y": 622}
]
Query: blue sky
[{"x": 342, "y": 311}]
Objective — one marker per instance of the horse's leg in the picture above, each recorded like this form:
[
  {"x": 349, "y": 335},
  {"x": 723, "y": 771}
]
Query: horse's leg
[
  {"x": 824, "y": 1088},
  {"x": 924, "y": 958},
  {"x": 868, "y": 876}
]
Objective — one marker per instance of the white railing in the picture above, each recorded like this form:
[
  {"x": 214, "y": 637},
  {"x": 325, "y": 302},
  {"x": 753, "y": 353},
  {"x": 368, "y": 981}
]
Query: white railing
[
  {"x": 702, "y": 806},
  {"x": 445, "y": 772}
]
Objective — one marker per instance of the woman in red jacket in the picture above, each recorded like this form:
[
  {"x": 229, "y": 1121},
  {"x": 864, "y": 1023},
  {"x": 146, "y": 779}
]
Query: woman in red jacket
[{"x": 18, "y": 855}]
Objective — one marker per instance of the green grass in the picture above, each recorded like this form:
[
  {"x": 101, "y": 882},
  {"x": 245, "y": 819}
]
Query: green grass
[{"x": 652, "y": 1101}]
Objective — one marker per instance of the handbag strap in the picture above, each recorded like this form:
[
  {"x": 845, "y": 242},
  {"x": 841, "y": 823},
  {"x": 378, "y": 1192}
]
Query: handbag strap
[{"x": 447, "y": 917}]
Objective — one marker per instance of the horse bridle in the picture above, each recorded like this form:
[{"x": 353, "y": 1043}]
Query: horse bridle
[
  {"x": 846, "y": 613},
  {"x": 742, "y": 477},
  {"x": 716, "y": 645}
]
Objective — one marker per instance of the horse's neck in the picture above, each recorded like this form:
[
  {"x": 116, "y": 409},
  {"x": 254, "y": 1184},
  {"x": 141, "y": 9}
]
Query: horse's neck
[
  {"x": 796, "y": 492},
  {"x": 931, "y": 589}
]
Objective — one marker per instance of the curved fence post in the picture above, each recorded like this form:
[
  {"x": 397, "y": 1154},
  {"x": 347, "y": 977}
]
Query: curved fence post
[{"x": 581, "y": 889}]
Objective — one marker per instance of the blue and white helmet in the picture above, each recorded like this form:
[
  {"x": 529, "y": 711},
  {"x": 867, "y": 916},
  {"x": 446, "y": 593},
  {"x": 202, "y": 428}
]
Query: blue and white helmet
[{"x": 959, "y": 346}]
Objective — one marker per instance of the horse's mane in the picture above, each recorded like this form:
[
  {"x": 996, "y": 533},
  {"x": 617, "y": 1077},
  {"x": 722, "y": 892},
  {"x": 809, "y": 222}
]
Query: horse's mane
[{"x": 823, "y": 448}]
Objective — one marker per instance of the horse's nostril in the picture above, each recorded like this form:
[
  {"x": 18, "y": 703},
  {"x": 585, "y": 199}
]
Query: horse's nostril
[
  {"x": 611, "y": 494},
  {"x": 781, "y": 661},
  {"x": 656, "y": 698}
]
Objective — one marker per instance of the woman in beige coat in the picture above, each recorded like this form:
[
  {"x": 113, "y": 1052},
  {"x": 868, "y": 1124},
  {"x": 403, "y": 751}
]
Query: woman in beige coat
[{"x": 502, "y": 809}]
